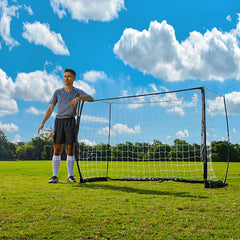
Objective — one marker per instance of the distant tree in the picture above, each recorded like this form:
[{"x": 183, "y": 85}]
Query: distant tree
[
  {"x": 38, "y": 146},
  {"x": 220, "y": 152},
  {"x": 47, "y": 152},
  {"x": 11, "y": 151},
  {"x": 25, "y": 152},
  {"x": 3, "y": 146},
  {"x": 7, "y": 149}
]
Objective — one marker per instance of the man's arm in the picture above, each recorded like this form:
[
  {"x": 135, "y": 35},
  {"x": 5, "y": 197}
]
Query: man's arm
[
  {"x": 77, "y": 99},
  {"x": 47, "y": 116}
]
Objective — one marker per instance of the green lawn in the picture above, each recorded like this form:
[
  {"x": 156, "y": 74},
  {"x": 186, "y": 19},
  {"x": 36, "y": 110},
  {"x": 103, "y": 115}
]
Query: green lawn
[{"x": 30, "y": 208}]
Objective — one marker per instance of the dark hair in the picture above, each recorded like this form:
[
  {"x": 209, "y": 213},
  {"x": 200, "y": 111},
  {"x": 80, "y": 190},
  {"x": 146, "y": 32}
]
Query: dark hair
[{"x": 71, "y": 71}]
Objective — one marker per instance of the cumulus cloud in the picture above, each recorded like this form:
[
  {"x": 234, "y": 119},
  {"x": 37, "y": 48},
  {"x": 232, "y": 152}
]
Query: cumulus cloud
[
  {"x": 35, "y": 111},
  {"x": 92, "y": 76},
  {"x": 87, "y": 142},
  {"x": 7, "y": 104},
  {"x": 85, "y": 87},
  {"x": 176, "y": 110},
  {"x": 173, "y": 102},
  {"x": 28, "y": 9},
  {"x": 214, "y": 55},
  {"x": 94, "y": 119},
  {"x": 84, "y": 10},
  {"x": 36, "y": 86},
  {"x": 7, "y": 85},
  {"x": 182, "y": 134},
  {"x": 9, "y": 127},
  {"x": 124, "y": 129},
  {"x": 6, "y": 14},
  {"x": 17, "y": 139},
  {"x": 40, "y": 34},
  {"x": 229, "y": 18},
  {"x": 120, "y": 128},
  {"x": 216, "y": 106},
  {"x": 33, "y": 86}
]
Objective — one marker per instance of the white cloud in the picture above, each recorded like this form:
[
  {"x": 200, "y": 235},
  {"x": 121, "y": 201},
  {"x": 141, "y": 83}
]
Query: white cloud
[
  {"x": 94, "y": 119},
  {"x": 172, "y": 101},
  {"x": 85, "y": 10},
  {"x": 92, "y": 76},
  {"x": 182, "y": 134},
  {"x": 87, "y": 142},
  {"x": 176, "y": 110},
  {"x": 8, "y": 106},
  {"x": 36, "y": 86},
  {"x": 233, "y": 102},
  {"x": 6, "y": 14},
  {"x": 9, "y": 127},
  {"x": 120, "y": 128},
  {"x": 124, "y": 129},
  {"x": 33, "y": 86},
  {"x": 216, "y": 106},
  {"x": 85, "y": 87},
  {"x": 7, "y": 85},
  {"x": 17, "y": 139},
  {"x": 40, "y": 34},
  {"x": 7, "y": 88},
  {"x": 214, "y": 55},
  {"x": 29, "y": 10},
  {"x": 229, "y": 18},
  {"x": 105, "y": 131},
  {"x": 35, "y": 111}
]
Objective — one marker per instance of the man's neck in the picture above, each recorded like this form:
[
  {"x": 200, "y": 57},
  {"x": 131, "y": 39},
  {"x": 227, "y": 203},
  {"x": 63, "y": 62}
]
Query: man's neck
[{"x": 68, "y": 88}]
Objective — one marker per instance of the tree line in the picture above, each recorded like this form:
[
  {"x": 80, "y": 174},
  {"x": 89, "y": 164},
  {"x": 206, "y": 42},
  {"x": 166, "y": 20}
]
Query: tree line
[{"x": 38, "y": 149}]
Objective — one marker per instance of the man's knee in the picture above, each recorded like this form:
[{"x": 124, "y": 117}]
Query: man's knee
[
  {"x": 57, "y": 149},
  {"x": 70, "y": 149}
]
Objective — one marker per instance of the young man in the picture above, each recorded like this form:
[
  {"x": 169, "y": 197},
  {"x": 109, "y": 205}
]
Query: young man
[{"x": 65, "y": 123}]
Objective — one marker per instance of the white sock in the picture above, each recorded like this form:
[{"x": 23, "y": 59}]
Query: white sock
[
  {"x": 56, "y": 164},
  {"x": 70, "y": 165}
]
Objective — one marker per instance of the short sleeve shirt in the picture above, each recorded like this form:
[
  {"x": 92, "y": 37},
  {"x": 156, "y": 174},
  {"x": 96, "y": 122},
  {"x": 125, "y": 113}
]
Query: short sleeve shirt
[{"x": 63, "y": 99}]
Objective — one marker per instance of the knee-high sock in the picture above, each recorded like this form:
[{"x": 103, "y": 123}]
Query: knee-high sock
[
  {"x": 56, "y": 164},
  {"x": 70, "y": 165}
]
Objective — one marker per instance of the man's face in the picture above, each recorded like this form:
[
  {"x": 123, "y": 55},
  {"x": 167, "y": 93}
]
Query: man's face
[{"x": 68, "y": 78}]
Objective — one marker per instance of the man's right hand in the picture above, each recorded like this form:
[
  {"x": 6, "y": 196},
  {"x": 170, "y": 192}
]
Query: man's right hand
[{"x": 40, "y": 128}]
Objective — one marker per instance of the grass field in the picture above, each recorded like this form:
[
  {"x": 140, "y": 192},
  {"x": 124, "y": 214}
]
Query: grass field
[{"x": 30, "y": 208}]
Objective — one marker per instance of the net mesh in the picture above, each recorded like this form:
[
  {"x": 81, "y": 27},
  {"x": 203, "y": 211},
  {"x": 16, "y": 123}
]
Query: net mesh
[{"x": 151, "y": 136}]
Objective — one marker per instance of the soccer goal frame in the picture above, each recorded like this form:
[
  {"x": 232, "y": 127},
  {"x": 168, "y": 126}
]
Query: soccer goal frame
[{"x": 101, "y": 156}]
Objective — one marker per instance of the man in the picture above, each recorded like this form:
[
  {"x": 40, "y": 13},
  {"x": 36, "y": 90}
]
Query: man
[{"x": 65, "y": 123}]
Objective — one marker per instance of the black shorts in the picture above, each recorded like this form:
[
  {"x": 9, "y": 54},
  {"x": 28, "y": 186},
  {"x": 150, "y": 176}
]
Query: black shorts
[{"x": 65, "y": 130}]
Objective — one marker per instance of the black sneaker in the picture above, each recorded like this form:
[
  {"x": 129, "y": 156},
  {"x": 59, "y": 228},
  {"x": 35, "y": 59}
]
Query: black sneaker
[
  {"x": 71, "y": 179},
  {"x": 54, "y": 179}
]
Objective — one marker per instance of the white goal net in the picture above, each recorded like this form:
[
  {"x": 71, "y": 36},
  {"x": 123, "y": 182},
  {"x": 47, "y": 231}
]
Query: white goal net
[{"x": 162, "y": 136}]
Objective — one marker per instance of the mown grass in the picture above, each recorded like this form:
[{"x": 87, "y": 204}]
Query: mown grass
[{"x": 30, "y": 208}]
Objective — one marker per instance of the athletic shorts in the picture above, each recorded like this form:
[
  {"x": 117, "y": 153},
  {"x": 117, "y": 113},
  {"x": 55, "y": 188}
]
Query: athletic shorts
[{"x": 65, "y": 130}]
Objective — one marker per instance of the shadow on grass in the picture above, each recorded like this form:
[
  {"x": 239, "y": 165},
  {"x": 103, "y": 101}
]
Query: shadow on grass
[{"x": 105, "y": 186}]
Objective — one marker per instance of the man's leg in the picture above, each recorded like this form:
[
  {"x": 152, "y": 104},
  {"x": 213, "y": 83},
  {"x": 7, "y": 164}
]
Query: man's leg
[
  {"x": 70, "y": 161},
  {"x": 56, "y": 161}
]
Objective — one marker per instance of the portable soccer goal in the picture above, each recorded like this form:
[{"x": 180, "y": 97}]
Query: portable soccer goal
[{"x": 152, "y": 137}]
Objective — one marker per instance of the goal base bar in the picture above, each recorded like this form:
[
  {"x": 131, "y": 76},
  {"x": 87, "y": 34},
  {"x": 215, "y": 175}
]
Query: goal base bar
[
  {"x": 214, "y": 184},
  {"x": 207, "y": 184}
]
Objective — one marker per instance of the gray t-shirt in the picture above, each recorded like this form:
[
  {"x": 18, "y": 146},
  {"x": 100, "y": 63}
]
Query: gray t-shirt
[{"x": 64, "y": 99}]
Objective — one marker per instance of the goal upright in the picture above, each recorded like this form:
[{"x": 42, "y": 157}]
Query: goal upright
[{"x": 150, "y": 137}]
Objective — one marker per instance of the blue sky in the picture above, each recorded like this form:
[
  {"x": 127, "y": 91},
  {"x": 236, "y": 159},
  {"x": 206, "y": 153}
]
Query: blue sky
[{"x": 117, "y": 47}]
